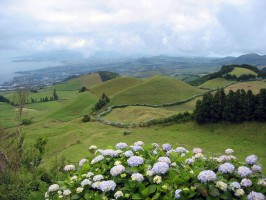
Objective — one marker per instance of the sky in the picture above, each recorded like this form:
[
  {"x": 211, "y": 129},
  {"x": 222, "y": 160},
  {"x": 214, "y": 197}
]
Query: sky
[{"x": 148, "y": 27}]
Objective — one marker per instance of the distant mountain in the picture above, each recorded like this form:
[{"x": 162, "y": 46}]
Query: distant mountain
[{"x": 250, "y": 59}]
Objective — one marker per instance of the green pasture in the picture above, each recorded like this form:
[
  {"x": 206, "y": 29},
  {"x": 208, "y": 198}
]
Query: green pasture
[
  {"x": 238, "y": 71},
  {"x": 255, "y": 86},
  {"x": 114, "y": 86},
  {"x": 72, "y": 139},
  {"x": 156, "y": 90},
  {"x": 215, "y": 83}
]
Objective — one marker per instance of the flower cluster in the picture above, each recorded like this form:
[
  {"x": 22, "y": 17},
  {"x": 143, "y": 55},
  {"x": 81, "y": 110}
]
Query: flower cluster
[
  {"x": 206, "y": 176},
  {"x": 135, "y": 161},
  {"x": 226, "y": 168},
  {"x": 147, "y": 171}
]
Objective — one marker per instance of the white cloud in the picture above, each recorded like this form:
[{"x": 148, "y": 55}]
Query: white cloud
[{"x": 155, "y": 26}]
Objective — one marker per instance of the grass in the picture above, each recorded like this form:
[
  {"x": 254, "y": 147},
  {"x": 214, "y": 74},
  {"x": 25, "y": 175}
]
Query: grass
[
  {"x": 81, "y": 104},
  {"x": 137, "y": 114},
  {"x": 73, "y": 139},
  {"x": 255, "y": 86},
  {"x": 215, "y": 83},
  {"x": 7, "y": 115},
  {"x": 88, "y": 81},
  {"x": 111, "y": 87},
  {"x": 156, "y": 90},
  {"x": 238, "y": 71}
]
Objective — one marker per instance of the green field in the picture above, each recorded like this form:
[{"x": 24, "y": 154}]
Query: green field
[
  {"x": 111, "y": 87},
  {"x": 238, "y": 71},
  {"x": 156, "y": 90},
  {"x": 80, "y": 105},
  {"x": 73, "y": 139},
  {"x": 255, "y": 86},
  {"x": 60, "y": 121},
  {"x": 137, "y": 114},
  {"x": 215, "y": 83}
]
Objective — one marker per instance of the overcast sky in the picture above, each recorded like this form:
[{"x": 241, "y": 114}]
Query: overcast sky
[{"x": 174, "y": 27}]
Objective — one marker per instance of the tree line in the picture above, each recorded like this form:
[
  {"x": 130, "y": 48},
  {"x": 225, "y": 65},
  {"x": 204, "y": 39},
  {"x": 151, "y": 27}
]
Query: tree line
[{"x": 236, "y": 107}]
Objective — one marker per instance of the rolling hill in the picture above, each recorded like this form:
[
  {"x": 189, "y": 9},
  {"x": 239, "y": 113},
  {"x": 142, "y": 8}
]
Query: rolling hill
[
  {"x": 238, "y": 71},
  {"x": 215, "y": 83},
  {"x": 155, "y": 90},
  {"x": 111, "y": 87}
]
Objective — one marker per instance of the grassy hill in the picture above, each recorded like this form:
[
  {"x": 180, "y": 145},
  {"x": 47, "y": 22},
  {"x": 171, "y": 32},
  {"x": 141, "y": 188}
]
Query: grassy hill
[
  {"x": 238, "y": 71},
  {"x": 215, "y": 83},
  {"x": 79, "y": 105},
  {"x": 156, "y": 90},
  {"x": 114, "y": 86},
  {"x": 88, "y": 81}
]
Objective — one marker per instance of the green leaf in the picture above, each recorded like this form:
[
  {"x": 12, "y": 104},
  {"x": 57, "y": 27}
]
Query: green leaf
[
  {"x": 145, "y": 192},
  {"x": 214, "y": 192},
  {"x": 152, "y": 189},
  {"x": 75, "y": 196},
  {"x": 137, "y": 196}
]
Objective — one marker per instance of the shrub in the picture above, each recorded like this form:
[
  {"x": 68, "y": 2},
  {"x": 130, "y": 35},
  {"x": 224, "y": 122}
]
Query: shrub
[
  {"x": 26, "y": 122},
  {"x": 127, "y": 132},
  {"x": 86, "y": 118},
  {"x": 82, "y": 89},
  {"x": 150, "y": 172}
]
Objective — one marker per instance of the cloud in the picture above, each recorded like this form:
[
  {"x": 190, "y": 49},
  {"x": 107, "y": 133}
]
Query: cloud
[{"x": 180, "y": 27}]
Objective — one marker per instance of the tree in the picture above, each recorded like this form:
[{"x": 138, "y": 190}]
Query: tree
[
  {"x": 55, "y": 96},
  {"x": 21, "y": 95}
]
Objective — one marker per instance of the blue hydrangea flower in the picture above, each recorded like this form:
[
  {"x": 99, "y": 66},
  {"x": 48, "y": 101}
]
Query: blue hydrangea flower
[
  {"x": 251, "y": 160},
  {"x": 181, "y": 150},
  {"x": 107, "y": 186},
  {"x": 256, "y": 196},
  {"x": 82, "y": 161},
  {"x": 177, "y": 193},
  {"x": 135, "y": 161},
  {"x": 244, "y": 171},
  {"x": 167, "y": 147},
  {"x": 97, "y": 159},
  {"x": 97, "y": 178},
  {"x": 235, "y": 185},
  {"x": 246, "y": 182},
  {"x": 85, "y": 182},
  {"x": 160, "y": 168},
  {"x": 121, "y": 145},
  {"x": 117, "y": 170},
  {"x": 256, "y": 168},
  {"x": 136, "y": 148},
  {"x": 189, "y": 161},
  {"x": 137, "y": 177},
  {"x": 206, "y": 176},
  {"x": 164, "y": 159},
  {"x": 129, "y": 153},
  {"x": 108, "y": 152},
  {"x": 226, "y": 168}
]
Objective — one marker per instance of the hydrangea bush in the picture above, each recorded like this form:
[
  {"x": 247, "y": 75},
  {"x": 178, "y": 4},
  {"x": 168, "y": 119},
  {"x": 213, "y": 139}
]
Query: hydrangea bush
[{"x": 152, "y": 172}]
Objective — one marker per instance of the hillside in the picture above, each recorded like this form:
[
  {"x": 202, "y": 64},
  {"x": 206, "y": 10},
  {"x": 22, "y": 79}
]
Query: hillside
[
  {"x": 79, "y": 105},
  {"x": 114, "y": 86},
  {"x": 156, "y": 90},
  {"x": 238, "y": 71},
  {"x": 215, "y": 83},
  {"x": 255, "y": 86}
]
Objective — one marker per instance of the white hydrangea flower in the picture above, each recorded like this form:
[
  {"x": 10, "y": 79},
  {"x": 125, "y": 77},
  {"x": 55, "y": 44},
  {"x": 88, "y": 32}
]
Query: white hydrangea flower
[
  {"x": 197, "y": 150},
  {"x": 66, "y": 192},
  {"x": 138, "y": 143},
  {"x": 118, "y": 194},
  {"x": 239, "y": 192},
  {"x": 221, "y": 185},
  {"x": 93, "y": 147},
  {"x": 79, "y": 189},
  {"x": 229, "y": 151},
  {"x": 53, "y": 188},
  {"x": 74, "y": 178},
  {"x": 68, "y": 168},
  {"x": 157, "y": 179}
]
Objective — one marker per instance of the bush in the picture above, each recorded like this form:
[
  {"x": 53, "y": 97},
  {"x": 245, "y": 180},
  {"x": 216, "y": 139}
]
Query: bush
[
  {"x": 150, "y": 172},
  {"x": 86, "y": 118},
  {"x": 82, "y": 89},
  {"x": 127, "y": 132},
  {"x": 26, "y": 122}
]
